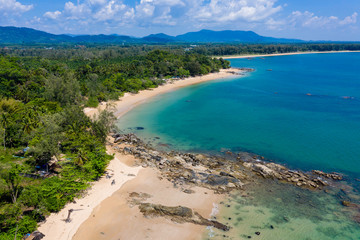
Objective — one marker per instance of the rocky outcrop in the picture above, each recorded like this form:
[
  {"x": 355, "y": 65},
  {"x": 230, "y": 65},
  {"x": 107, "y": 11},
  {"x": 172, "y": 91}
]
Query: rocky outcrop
[
  {"x": 178, "y": 214},
  {"x": 277, "y": 171},
  {"x": 217, "y": 173},
  {"x": 334, "y": 176}
]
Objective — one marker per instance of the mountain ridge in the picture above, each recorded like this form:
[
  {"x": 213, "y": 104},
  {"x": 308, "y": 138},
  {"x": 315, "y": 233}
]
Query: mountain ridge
[{"x": 17, "y": 35}]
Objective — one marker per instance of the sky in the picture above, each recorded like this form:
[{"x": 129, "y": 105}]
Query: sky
[{"x": 335, "y": 20}]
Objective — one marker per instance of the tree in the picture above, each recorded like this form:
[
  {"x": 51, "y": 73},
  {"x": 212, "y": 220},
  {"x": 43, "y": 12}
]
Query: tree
[
  {"x": 64, "y": 89},
  {"x": 47, "y": 138},
  {"x": 13, "y": 179},
  {"x": 8, "y": 109},
  {"x": 102, "y": 124},
  {"x": 4, "y": 123}
]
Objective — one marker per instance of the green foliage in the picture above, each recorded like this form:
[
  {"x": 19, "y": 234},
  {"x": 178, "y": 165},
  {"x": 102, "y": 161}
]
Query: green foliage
[
  {"x": 243, "y": 49},
  {"x": 102, "y": 124},
  {"x": 64, "y": 89},
  {"x": 92, "y": 102},
  {"x": 46, "y": 139},
  {"x": 12, "y": 180}
]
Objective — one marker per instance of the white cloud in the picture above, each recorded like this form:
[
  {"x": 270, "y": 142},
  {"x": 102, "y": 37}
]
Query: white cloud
[
  {"x": 234, "y": 10},
  {"x": 148, "y": 13},
  {"x": 53, "y": 15},
  {"x": 110, "y": 16},
  {"x": 78, "y": 11},
  {"x": 349, "y": 19},
  {"x": 12, "y": 7},
  {"x": 165, "y": 18},
  {"x": 159, "y": 10},
  {"x": 110, "y": 11},
  {"x": 273, "y": 24},
  {"x": 145, "y": 9},
  {"x": 93, "y": 11},
  {"x": 310, "y": 20}
]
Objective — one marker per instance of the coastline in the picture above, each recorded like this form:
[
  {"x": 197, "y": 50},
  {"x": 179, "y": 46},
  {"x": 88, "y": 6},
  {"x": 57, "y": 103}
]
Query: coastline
[
  {"x": 125, "y": 174},
  {"x": 282, "y": 54},
  {"x": 55, "y": 226},
  {"x": 129, "y": 101}
]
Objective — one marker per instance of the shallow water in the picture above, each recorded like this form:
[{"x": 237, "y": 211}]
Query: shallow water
[
  {"x": 282, "y": 211},
  {"x": 304, "y": 113}
]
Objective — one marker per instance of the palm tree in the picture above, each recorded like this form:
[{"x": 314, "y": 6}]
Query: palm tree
[
  {"x": 81, "y": 158},
  {"x": 4, "y": 123},
  {"x": 30, "y": 121}
]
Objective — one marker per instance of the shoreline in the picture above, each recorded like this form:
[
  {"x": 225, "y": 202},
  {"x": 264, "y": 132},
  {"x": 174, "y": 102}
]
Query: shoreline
[
  {"x": 55, "y": 226},
  {"x": 123, "y": 171},
  {"x": 129, "y": 101},
  {"x": 281, "y": 54}
]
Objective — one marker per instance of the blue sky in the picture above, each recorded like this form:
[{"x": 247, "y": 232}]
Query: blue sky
[{"x": 303, "y": 19}]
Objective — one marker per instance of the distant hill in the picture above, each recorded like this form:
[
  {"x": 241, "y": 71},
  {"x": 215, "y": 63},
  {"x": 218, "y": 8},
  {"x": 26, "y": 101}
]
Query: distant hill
[
  {"x": 29, "y": 35},
  {"x": 15, "y": 35},
  {"x": 227, "y": 36},
  {"x": 159, "y": 38}
]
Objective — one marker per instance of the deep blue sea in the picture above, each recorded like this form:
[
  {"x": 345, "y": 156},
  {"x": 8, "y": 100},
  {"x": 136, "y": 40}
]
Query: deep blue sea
[
  {"x": 301, "y": 110},
  {"x": 305, "y": 112}
]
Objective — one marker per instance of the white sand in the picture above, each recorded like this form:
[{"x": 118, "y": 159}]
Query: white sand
[
  {"x": 55, "y": 228},
  {"x": 116, "y": 219}
]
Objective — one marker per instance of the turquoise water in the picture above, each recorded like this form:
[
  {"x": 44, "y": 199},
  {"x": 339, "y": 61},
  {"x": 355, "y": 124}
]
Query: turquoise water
[
  {"x": 283, "y": 212},
  {"x": 304, "y": 113}
]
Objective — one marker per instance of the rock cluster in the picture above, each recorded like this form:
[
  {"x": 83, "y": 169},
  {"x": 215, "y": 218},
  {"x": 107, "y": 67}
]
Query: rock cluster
[
  {"x": 178, "y": 214},
  {"x": 217, "y": 173},
  {"x": 277, "y": 171},
  {"x": 334, "y": 176}
]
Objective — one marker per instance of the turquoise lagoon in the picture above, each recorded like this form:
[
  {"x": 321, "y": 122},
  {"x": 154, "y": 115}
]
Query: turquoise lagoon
[{"x": 301, "y": 110}]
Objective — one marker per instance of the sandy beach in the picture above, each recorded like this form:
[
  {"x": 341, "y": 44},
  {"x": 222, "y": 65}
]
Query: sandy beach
[
  {"x": 104, "y": 213},
  {"x": 129, "y": 101},
  {"x": 281, "y": 54},
  {"x": 55, "y": 226},
  {"x": 115, "y": 218}
]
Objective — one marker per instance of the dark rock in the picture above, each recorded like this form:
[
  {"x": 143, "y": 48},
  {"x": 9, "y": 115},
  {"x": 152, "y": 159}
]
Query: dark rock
[
  {"x": 139, "y": 128},
  {"x": 178, "y": 214},
  {"x": 35, "y": 236},
  {"x": 189, "y": 191},
  {"x": 226, "y": 174},
  {"x": 257, "y": 233},
  {"x": 350, "y": 204},
  {"x": 334, "y": 176}
]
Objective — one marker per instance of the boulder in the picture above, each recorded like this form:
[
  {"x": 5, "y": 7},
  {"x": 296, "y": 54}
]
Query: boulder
[{"x": 178, "y": 214}]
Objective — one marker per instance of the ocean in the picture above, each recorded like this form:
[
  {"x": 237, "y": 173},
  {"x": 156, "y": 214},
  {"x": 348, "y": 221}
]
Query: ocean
[{"x": 302, "y": 111}]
